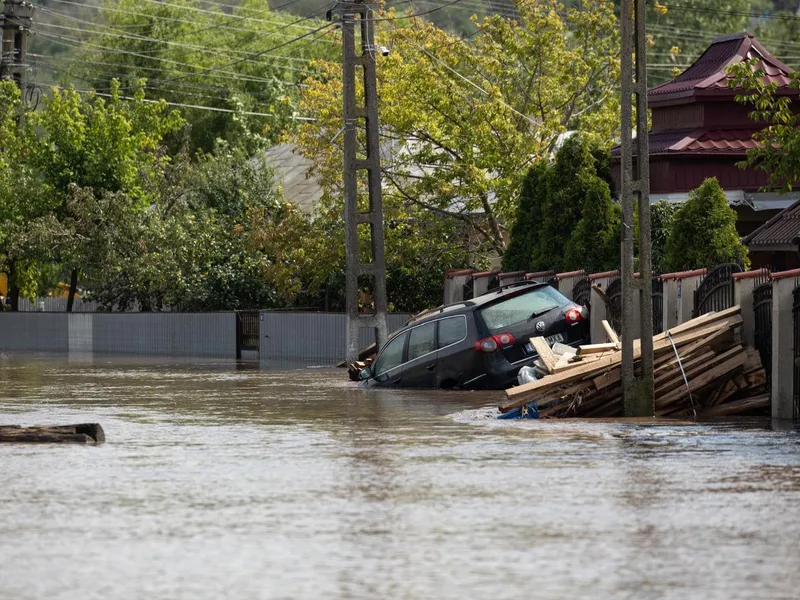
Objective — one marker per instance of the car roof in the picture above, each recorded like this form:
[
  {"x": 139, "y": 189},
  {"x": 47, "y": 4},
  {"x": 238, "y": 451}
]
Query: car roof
[{"x": 458, "y": 308}]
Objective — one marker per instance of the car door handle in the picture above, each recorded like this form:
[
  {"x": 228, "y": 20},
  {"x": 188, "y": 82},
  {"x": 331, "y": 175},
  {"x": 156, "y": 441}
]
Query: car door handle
[
  {"x": 431, "y": 366},
  {"x": 396, "y": 381}
]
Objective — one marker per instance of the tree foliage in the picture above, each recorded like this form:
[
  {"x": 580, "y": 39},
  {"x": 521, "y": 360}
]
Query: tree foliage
[
  {"x": 778, "y": 149},
  {"x": 662, "y": 218},
  {"x": 464, "y": 119},
  {"x": 195, "y": 54},
  {"x": 704, "y": 232}
]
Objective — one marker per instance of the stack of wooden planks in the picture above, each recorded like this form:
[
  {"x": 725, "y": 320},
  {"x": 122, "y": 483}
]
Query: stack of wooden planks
[{"x": 700, "y": 369}]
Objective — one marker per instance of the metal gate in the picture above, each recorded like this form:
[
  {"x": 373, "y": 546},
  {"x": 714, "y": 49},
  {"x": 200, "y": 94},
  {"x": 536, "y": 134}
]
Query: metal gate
[
  {"x": 469, "y": 289},
  {"x": 614, "y": 306},
  {"x": 247, "y": 331},
  {"x": 796, "y": 317},
  {"x": 658, "y": 305},
  {"x": 716, "y": 290},
  {"x": 582, "y": 292},
  {"x": 762, "y": 311}
]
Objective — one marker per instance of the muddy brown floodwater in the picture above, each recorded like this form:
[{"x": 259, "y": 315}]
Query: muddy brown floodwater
[{"x": 218, "y": 482}]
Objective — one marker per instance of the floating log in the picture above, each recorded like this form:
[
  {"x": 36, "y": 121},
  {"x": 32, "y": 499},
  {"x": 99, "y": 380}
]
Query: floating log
[{"x": 83, "y": 433}]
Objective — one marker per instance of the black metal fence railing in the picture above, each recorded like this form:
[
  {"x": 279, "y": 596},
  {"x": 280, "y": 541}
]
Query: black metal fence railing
[
  {"x": 582, "y": 292},
  {"x": 614, "y": 303},
  {"x": 762, "y": 311},
  {"x": 796, "y": 353},
  {"x": 247, "y": 331},
  {"x": 715, "y": 291},
  {"x": 658, "y": 305}
]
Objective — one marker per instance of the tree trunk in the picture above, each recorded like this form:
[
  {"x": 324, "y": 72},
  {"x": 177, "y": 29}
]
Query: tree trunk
[
  {"x": 73, "y": 286},
  {"x": 13, "y": 286}
]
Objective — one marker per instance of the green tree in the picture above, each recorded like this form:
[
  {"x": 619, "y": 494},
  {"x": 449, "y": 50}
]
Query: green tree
[
  {"x": 523, "y": 253},
  {"x": 200, "y": 55},
  {"x": 778, "y": 149},
  {"x": 566, "y": 218},
  {"x": 23, "y": 197},
  {"x": 662, "y": 217},
  {"x": 704, "y": 232},
  {"x": 466, "y": 118},
  {"x": 90, "y": 142}
]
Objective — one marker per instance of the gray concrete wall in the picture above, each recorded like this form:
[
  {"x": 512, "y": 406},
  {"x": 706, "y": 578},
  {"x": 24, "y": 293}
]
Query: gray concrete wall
[
  {"x": 743, "y": 286},
  {"x": 139, "y": 334},
  {"x": 312, "y": 338}
]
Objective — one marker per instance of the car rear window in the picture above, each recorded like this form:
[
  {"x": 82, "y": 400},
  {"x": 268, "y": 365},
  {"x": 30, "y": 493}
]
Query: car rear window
[{"x": 518, "y": 309}]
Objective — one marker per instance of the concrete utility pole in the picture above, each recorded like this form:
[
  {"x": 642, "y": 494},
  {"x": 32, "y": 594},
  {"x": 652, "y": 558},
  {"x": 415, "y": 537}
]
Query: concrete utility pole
[
  {"x": 16, "y": 20},
  {"x": 354, "y": 214},
  {"x": 637, "y": 394}
]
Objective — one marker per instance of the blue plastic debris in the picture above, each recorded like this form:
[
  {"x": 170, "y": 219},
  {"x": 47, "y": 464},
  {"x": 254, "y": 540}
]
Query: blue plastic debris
[{"x": 528, "y": 411}]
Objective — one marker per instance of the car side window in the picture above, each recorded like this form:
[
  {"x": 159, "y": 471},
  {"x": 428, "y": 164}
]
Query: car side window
[
  {"x": 452, "y": 330},
  {"x": 422, "y": 340},
  {"x": 392, "y": 355}
]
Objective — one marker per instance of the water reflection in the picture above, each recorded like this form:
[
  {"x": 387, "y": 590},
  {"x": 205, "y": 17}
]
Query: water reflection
[{"x": 222, "y": 480}]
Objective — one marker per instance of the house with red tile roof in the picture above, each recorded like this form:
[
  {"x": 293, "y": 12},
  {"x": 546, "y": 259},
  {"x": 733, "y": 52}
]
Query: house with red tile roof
[{"x": 699, "y": 131}]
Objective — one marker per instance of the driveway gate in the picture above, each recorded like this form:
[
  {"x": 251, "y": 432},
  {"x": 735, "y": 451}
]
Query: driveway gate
[
  {"x": 247, "y": 331},
  {"x": 716, "y": 290},
  {"x": 762, "y": 311}
]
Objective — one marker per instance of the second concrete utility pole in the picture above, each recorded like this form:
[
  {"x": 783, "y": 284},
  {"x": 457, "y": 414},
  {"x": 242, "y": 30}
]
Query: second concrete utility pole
[{"x": 637, "y": 394}]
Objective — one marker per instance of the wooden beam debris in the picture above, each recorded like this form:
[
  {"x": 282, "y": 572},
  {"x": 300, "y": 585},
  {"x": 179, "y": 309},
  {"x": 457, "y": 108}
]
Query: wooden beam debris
[{"x": 700, "y": 370}]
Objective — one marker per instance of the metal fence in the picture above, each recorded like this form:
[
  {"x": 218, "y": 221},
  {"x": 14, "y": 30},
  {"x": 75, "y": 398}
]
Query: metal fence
[
  {"x": 796, "y": 324},
  {"x": 762, "y": 317},
  {"x": 658, "y": 305},
  {"x": 312, "y": 338},
  {"x": 715, "y": 291},
  {"x": 55, "y": 304}
]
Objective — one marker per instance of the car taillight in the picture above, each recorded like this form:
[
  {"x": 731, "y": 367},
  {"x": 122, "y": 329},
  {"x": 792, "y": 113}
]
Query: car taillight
[
  {"x": 491, "y": 344},
  {"x": 573, "y": 316}
]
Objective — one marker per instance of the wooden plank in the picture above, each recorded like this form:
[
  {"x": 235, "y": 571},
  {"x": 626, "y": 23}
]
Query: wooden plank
[
  {"x": 692, "y": 371},
  {"x": 596, "y": 348},
  {"x": 610, "y": 333},
  {"x": 702, "y": 320},
  {"x": 523, "y": 394},
  {"x": 737, "y": 406},
  {"x": 666, "y": 359},
  {"x": 703, "y": 380},
  {"x": 545, "y": 353}
]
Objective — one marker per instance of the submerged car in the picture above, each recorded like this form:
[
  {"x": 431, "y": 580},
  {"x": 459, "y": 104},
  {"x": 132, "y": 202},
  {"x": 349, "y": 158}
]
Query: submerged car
[{"x": 480, "y": 343}]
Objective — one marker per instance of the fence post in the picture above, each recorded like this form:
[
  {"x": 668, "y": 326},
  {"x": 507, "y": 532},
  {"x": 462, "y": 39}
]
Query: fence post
[
  {"x": 598, "y": 312},
  {"x": 670, "y": 309},
  {"x": 782, "y": 392},
  {"x": 566, "y": 281},
  {"x": 743, "y": 286},
  {"x": 688, "y": 281}
]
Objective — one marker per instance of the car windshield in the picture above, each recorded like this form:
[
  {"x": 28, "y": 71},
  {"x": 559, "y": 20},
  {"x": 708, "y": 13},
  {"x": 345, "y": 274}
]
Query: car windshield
[{"x": 519, "y": 309}]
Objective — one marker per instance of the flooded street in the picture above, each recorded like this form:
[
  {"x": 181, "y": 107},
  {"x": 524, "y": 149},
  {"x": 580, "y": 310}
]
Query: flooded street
[{"x": 217, "y": 482}]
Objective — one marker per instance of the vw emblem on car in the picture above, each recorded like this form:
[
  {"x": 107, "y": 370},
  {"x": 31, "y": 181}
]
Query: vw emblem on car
[{"x": 540, "y": 326}]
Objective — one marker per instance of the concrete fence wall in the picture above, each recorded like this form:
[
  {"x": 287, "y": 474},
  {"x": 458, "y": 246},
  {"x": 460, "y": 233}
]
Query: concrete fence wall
[{"x": 137, "y": 334}]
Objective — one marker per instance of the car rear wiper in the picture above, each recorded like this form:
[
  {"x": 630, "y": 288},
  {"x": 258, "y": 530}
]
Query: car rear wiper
[{"x": 539, "y": 313}]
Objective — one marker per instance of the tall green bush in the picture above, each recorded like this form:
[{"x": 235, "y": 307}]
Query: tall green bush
[
  {"x": 566, "y": 218},
  {"x": 704, "y": 231}
]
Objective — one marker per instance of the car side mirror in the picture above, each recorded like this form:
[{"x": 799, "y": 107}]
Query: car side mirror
[{"x": 365, "y": 374}]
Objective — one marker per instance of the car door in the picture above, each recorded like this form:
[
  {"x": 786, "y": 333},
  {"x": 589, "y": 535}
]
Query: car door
[
  {"x": 455, "y": 356},
  {"x": 388, "y": 367},
  {"x": 419, "y": 370}
]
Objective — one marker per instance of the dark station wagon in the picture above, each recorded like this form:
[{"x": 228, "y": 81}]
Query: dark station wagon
[{"x": 480, "y": 343}]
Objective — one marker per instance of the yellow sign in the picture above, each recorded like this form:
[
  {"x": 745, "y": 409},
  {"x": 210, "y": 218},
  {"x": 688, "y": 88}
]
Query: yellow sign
[{"x": 3, "y": 284}]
